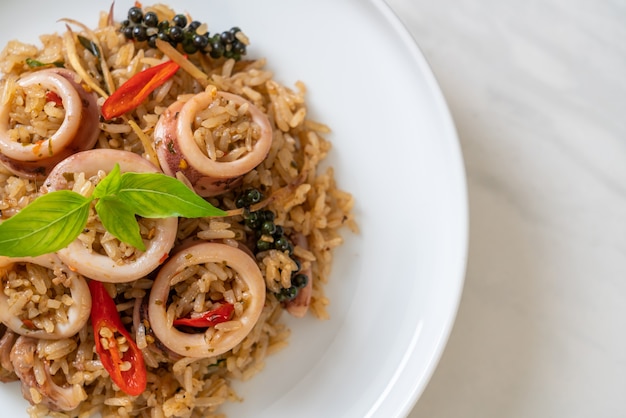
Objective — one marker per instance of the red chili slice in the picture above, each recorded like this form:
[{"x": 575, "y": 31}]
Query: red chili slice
[
  {"x": 106, "y": 320},
  {"x": 134, "y": 91},
  {"x": 207, "y": 319},
  {"x": 51, "y": 96}
]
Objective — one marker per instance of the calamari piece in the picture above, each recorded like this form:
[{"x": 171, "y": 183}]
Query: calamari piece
[
  {"x": 78, "y": 132},
  {"x": 181, "y": 149},
  {"x": 214, "y": 340},
  {"x": 34, "y": 374},
  {"x": 20, "y": 320},
  {"x": 100, "y": 266}
]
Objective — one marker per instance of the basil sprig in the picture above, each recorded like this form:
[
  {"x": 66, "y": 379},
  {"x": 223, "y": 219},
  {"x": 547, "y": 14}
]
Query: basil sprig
[{"x": 53, "y": 220}]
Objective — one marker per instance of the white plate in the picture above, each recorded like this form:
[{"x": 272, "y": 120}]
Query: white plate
[{"x": 395, "y": 287}]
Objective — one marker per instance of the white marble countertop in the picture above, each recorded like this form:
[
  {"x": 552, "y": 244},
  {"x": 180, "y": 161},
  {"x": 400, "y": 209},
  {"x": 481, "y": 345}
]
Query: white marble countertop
[{"x": 537, "y": 90}]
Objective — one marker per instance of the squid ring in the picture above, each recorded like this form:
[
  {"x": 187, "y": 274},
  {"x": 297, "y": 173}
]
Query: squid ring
[
  {"x": 199, "y": 345},
  {"x": 178, "y": 151},
  {"x": 98, "y": 266},
  {"x": 78, "y": 131},
  {"x": 77, "y": 313}
]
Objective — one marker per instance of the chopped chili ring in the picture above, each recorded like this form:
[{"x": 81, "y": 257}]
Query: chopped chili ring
[
  {"x": 118, "y": 353},
  {"x": 51, "y": 96},
  {"x": 137, "y": 88},
  {"x": 222, "y": 313}
]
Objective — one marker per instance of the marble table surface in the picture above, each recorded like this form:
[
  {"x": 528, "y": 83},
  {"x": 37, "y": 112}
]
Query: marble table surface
[{"x": 537, "y": 90}]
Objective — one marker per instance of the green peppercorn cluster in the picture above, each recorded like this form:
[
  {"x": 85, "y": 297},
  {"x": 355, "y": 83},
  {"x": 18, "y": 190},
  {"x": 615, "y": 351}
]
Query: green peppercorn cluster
[
  {"x": 140, "y": 26},
  {"x": 269, "y": 236}
]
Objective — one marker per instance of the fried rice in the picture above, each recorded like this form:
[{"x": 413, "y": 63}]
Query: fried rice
[{"x": 304, "y": 198}]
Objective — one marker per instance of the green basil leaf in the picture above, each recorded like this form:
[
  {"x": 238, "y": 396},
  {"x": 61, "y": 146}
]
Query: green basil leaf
[
  {"x": 156, "y": 195},
  {"x": 110, "y": 185},
  {"x": 51, "y": 222},
  {"x": 120, "y": 221}
]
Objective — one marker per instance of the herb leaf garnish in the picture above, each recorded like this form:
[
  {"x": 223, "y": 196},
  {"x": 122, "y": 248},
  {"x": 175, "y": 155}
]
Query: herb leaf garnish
[
  {"x": 117, "y": 218},
  {"x": 109, "y": 185},
  {"x": 155, "y": 195},
  {"x": 49, "y": 223},
  {"x": 53, "y": 220}
]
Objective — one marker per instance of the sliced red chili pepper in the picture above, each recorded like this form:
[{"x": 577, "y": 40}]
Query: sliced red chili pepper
[
  {"x": 51, "y": 96},
  {"x": 207, "y": 319},
  {"x": 28, "y": 324},
  {"x": 107, "y": 328},
  {"x": 137, "y": 88}
]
